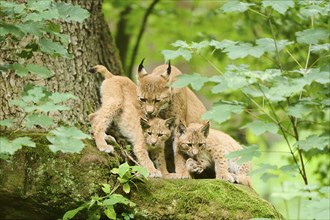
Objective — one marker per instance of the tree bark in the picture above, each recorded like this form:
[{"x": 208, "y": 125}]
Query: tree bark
[{"x": 91, "y": 44}]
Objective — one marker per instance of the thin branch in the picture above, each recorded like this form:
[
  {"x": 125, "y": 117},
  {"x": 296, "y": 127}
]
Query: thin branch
[{"x": 142, "y": 28}]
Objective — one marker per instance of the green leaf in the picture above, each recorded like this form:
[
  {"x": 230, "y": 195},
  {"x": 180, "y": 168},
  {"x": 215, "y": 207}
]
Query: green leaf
[
  {"x": 279, "y": 6},
  {"x": 317, "y": 47},
  {"x": 39, "y": 5},
  {"x": 118, "y": 199},
  {"x": 222, "y": 44},
  {"x": 313, "y": 141},
  {"x": 70, "y": 214},
  {"x": 41, "y": 71},
  {"x": 299, "y": 110},
  {"x": 312, "y": 36},
  {"x": 110, "y": 212},
  {"x": 126, "y": 188},
  {"x": 106, "y": 188},
  {"x": 246, "y": 154},
  {"x": 52, "y": 48},
  {"x": 38, "y": 119},
  {"x": 236, "y": 6},
  {"x": 50, "y": 107},
  {"x": 316, "y": 208},
  {"x": 11, "y": 146},
  {"x": 268, "y": 44},
  {"x": 180, "y": 43},
  {"x": 71, "y": 12},
  {"x": 61, "y": 97},
  {"x": 321, "y": 76},
  {"x": 33, "y": 28},
  {"x": 66, "y": 139},
  {"x": 123, "y": 169},
  {"x": 222, "y": 112},
  {"x": 260, "y": 127},
  {"x": 20, "y": 69},
  {"x": 200, "y": 45},
  {"x": 172, "y": 54},
  {"x": 10, "y": 29},
  {"x": 195, "y": 80},
  {"x": 7, "y": 122},
  {"x": 141, "y": 170},
  {"x": 242, "y": 50},
  {"x": 11, "y": 7}
]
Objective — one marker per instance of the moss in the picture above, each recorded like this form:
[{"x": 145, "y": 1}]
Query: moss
[{"x": 199, "y": 199}]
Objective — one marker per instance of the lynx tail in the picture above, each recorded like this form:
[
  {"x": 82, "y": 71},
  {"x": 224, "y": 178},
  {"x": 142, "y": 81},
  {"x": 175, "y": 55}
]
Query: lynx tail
[{"x": 101, "y": 69}]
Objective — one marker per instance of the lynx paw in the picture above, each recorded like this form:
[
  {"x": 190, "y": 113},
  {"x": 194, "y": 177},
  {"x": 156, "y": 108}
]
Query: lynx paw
[
  {"x": 108, "y": 138},
  {"x": 155, "y": 174},
  {"x": 106, "y": 148},
  {"x": 227, "y": 177},
  {"x": 193, "y": 166}
]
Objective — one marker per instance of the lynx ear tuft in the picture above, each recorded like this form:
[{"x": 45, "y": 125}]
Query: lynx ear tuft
[
  {"x": 141, "y": 70},
  {"x": 205, "y": 129},
  {"x": 167, "y": 73},
  {"x": 144, "y": 123},
  {"x": 181, "y": 128}
]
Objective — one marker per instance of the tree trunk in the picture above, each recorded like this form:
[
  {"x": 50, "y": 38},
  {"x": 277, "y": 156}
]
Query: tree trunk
[{"x": 91, "y": 44}]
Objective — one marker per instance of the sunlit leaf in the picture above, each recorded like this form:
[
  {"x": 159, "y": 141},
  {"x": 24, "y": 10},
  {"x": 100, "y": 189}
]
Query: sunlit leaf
[
  {"x": 38, "y": 119},
  {"x": 50, "y": 107},
  {"x": 72, "y": 12},
  {"x": 313, "y": 141},
  {"x": 7, "y": 122},
  {"x": 268, "y": 44},
  {"x": 195, "y": 80},
  {"x": 141, "y": 170},
  {"x": 106, "y": 188},
  {"x": 52, "y": 48},
  {"x": 298, "y": 110},
  {"x": 242, "y": 50},
  {"x": 126, "y": 188},
  {"x": 245, "y": 155},
  {"x": 172, "y": 54},
  {"x": 316, "y": 208},
  {"x": 222, "y": 44},
  {"x": 11, "y": 146},
  {"x": 41, "y": 71},
  {"x": 117, "y": 198},
  {"x": 61, "y": 97},
  {"x": 70, "y": 214},
  {"x": 110, "y": 212},
  {"x": 236, "y": 6},
  {"x": 259, "y": 127},
  {"x": 180, "y": 43},
  {"x": 312, "y": 36},
  {"x": 279, "y": 6},
  {"x": 222, "y": 112}
]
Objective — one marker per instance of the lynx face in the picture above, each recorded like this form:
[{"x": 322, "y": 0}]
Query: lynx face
[
  {"x": 192, "y": 141},
  {"x": 153, "y": 91},
  {"x": 156, "y": 131}
]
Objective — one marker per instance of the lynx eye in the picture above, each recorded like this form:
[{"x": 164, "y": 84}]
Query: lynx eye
[
  {"x": 156, "y": 100},
  {"x": 160, "y": 135},
  {"x": 149, "y": 133},
  {"x": 202, "y": 145},
  {"x": 189, "y": 144},
  {"x": 143, "y": 99}
]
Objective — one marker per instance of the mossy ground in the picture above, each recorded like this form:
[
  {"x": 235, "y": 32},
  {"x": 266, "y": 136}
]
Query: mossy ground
[{"x": 199, "y": 199}]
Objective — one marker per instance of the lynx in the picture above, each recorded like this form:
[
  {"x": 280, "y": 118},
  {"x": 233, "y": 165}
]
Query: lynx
[
  {"x": 156, "y": 132},
  {"x": 157, "y": 98},
  {"x": 120, "y": 106},
  {"x": 203, "y": 146}
]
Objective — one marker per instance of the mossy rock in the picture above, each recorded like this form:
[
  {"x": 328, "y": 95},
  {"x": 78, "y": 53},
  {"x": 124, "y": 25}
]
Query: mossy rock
[
  {"x": 199, "y": 199},
  {"x": 40, "y": 184}
]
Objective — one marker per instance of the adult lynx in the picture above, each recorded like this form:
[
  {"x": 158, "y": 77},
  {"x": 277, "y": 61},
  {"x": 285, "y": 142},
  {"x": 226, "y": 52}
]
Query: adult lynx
[
  {"x": 203, "y": 146},
  {"x": 119, "y": 105},
  {"x": 156, "y": 132}
]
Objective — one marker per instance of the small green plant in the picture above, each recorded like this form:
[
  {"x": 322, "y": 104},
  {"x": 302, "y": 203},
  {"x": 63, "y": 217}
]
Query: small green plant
[{"x": 108, "y": 204}]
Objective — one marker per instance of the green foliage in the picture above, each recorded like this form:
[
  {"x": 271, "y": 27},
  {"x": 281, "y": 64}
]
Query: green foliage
[
  {"x": 108, "y": 204},
  {"x": 34, "y": 26},
  {"x": 287, "y": 98}
]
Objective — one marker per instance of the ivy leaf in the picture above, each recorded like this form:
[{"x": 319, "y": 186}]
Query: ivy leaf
[
  {"x": 11, "y": 146},
  {"x": 279, "y": 6},
  {"x": 41, "y": 71},
  {"x": 236, "y": 6},
  {"x": 61, "y": 97},
  {"x": 66, "y": 139},
  {"x": 195, "y": 80},
  {"x": 246, "y": 154},
  {"x": 72, "y": 12},
  {"x": 38, "y": 119},
  {"x": 260, "y": 127},
  {"x": 222, "y": 112},
  {"x": 313, "y": 141},
  {"x": 172, "y": 54},
  {"x": 312, "y": 36},
  {"x": 52, "y": 48}
]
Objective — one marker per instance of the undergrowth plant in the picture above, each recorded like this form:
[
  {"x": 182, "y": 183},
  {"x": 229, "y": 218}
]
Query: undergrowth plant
[
  {"x": 290, "y": 98},
  {"x": 35, "y": 27},
  {"x": 112, "y": 204}
]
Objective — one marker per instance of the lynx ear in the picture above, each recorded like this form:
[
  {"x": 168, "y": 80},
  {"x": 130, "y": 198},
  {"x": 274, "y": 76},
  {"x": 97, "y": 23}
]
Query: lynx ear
[
  {"x": 141, "y": 70},
  {"x": 181, "y": 128},
  {"x": 167, "y": 73},
  {"x": 144, "y": 123},
  {"x": 205, "y": 129},
  {"x": 169, "y": 122}
]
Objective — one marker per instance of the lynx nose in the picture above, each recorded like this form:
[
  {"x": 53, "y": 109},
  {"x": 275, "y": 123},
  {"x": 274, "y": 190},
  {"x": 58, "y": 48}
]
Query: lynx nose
[
  {"x": 194, "y": 152},
  {"x": 150, "y": 109}
]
